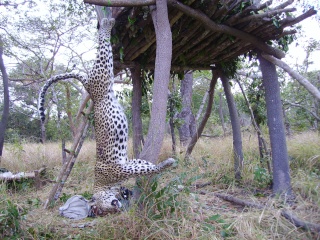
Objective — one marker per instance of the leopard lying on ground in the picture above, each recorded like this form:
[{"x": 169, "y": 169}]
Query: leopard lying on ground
[{"x": 111, "y": 127}]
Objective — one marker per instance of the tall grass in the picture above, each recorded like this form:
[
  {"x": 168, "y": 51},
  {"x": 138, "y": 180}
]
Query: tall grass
[{"x": 174, "y": 208}]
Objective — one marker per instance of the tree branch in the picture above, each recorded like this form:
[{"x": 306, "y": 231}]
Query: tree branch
[
  {"x": 296, "y": 20},
  {"x": 303, "y": 81},
  {"x": 266, "y": 14},
  {"x": 303, "y": 107}
]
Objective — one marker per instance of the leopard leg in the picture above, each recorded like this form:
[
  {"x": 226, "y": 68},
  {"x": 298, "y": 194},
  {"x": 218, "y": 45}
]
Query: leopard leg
[{"x": 139, "y": 167}]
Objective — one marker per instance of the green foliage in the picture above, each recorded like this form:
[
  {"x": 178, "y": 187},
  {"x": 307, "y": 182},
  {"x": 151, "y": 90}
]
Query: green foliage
[
  {"x": 64, "y": 197},
  {"x": 175, "y": 102},
  {"x": 22, "y": 185},
  {"x": 87, "y": 195},
  {"x": 262, "y": 178},
  {"x": 160, "y": 203},
  {"x": 214, "y": 220},
  {"x": 285, "y": 41},
  {"x": 230, "y": 68},
  {"x": 276, "y": 22},
  {"x": 10, "y": 218},
  {"x": 35, "y": 202}
]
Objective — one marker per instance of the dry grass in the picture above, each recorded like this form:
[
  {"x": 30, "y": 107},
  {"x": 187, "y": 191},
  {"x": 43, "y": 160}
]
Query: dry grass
[{"x": 197, "y": 214}]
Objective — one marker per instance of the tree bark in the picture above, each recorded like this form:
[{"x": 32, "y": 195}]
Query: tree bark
[
  {"x": 303, "y": 81},
  {"x": 221, "y": 115},
  {"x": 156, "y": 131},
  {"x": 5, "y": 111},
  {"x": 187, "y": 128},
  {"x": 281, "y": 171},
  {"x": 205, "y": 118},
  {"x": 171, "y": 124},
  {"x": 136, "y": 110},
  {"x": 204, "y": 99},
  {"x": 236, "y": 129}
]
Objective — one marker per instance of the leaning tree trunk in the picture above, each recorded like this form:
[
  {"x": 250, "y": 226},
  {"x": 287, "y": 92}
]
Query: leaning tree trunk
[
  {"x": 236, "y": 129},
  {"x": 5, "y": 111},
  {"x": 187, "y": 128},
  {"x": 205, "y": 118},
  {"x": 136, "y": 110},
  {"x": 279, "y": 153},
  {"x": 156, "y": 131}
]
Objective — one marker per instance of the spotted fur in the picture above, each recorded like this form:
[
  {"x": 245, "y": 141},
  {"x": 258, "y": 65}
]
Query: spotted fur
[{"x": 111, "y": 127}]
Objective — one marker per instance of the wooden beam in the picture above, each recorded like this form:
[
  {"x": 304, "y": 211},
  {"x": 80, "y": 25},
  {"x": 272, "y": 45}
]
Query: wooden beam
[
  {"x": 208, "y": 23},
  {"x": 151, "y": 66}
]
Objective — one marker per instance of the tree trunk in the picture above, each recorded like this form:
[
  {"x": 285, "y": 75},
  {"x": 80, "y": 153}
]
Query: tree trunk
[
  {"x": 281, "y": 171},
  {"x": 204, "y": 99},
  {"x": 5, "y": 112},
  {"x": 236, "y": 129},
  {"x": 171, "y": 124},
  {"x": 156, "y": 131},
  {"x": 221, "y": 115},
  {"x": 205, "y": 118},
  {"x": 136, "y": 110},
  {"x": 187, "y": 128}
]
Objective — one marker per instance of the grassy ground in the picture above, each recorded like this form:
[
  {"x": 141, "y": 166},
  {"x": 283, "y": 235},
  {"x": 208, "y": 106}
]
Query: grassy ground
[{"x": 175, "y": 209}]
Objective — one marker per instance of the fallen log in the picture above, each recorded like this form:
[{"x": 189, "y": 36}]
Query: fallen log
[{"x": 8, "y": 176}]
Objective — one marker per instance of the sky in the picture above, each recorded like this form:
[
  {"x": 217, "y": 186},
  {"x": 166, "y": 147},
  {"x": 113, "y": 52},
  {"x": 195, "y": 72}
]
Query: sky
[{"x": 310, "y": 29}]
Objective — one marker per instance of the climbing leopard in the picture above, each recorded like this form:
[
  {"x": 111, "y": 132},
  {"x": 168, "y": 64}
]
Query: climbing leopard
[{"x": 111, "y": 127}]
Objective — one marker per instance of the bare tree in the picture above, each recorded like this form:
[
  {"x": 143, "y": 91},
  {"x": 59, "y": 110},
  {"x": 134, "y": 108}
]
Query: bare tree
[{"x": 280, "y": 162}]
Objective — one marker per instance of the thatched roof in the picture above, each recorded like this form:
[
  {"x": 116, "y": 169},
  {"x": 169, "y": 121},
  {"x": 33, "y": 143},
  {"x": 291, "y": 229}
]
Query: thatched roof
[{"x": 204, "y": 32}]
